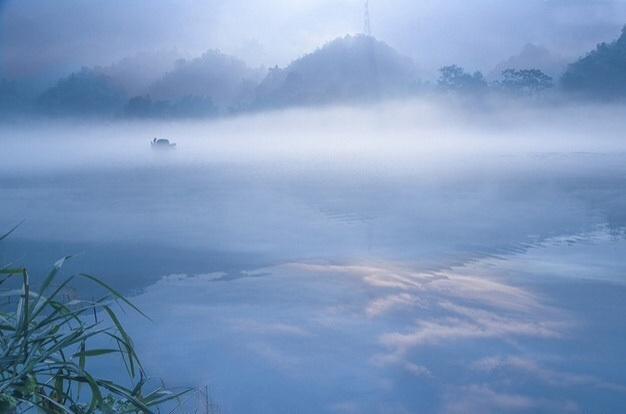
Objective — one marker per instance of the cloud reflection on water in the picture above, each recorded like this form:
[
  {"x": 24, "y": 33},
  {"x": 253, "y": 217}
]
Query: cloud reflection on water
[{"x": 376, "y": 338}]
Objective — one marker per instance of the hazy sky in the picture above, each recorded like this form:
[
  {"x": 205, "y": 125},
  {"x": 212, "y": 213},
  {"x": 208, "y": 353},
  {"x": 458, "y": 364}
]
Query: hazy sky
[{"x": 49, "y": 37}]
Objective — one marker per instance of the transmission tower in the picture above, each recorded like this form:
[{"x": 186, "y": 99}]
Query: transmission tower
[{"x": 367, "y": 26}]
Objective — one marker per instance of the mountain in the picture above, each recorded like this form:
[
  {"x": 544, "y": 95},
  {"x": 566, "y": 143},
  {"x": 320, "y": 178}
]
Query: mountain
[
  {"x": 533, "y": 57},
  {"x": 154, "y": 85},
  {"x": 225, "y": 80},
  {"x": 601, "y": 74},
  {"x": 346, "y": 69},
  {"x": 134, "y": 74},
  {"x": 103, "y": 90},
  {"x": 87, "y": 92}
]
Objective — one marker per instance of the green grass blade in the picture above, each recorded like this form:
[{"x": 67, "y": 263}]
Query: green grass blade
[
  {"x": 126, "y": 339},
  {"x": 115, "y": 293},
  {"x": 5, "y": 235}
]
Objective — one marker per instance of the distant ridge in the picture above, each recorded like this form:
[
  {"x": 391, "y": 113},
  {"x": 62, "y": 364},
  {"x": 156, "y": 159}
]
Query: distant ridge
[
  {"x": 601, "y": 74},
  {"x": 533, "y": 57},
  {"x": 224, "y": 79},
  {"x": 347, "y": 68}
]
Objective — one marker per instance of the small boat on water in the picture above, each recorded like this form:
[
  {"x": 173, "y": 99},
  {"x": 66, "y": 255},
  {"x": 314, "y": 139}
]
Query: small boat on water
[{"x": 162, "y": 144}]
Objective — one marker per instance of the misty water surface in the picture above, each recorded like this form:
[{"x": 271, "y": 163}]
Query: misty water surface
[{"x": 402, "y": 258}]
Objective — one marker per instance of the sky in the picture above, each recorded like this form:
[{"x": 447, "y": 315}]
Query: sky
[{"x": 48, "y": 38}]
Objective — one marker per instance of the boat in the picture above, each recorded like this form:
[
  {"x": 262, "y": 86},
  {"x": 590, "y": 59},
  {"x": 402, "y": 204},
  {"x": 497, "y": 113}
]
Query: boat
[{"x": 162, "y": 144}]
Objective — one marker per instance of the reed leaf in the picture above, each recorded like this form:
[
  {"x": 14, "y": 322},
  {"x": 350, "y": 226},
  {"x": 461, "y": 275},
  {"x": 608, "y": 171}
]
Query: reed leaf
[{"x": 45, "y": 347}]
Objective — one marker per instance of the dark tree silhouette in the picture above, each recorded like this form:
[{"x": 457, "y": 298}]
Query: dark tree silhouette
[
  {"x": 454, "y": 78},
  {"x": 525, "y": 81},
  {"x": 85, "y": 92},
  {"x": 601, "y": 74}
]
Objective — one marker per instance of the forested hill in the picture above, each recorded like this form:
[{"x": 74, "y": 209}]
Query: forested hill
[{"x": 346, "y": 69}]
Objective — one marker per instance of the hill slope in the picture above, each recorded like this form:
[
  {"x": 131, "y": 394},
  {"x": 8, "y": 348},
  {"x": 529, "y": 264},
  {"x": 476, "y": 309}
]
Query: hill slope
[
  {"x": 225, "y": 80},
  {"x": 533, "y": 57},
  {"x": 600, "y": 74},
  {"x": 349, "y": 68}
]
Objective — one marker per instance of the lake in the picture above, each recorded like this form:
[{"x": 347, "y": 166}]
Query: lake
[{"x": 400, "y": 258}]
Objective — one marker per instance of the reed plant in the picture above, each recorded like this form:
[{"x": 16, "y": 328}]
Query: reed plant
[{"x": 47, "y": 339}]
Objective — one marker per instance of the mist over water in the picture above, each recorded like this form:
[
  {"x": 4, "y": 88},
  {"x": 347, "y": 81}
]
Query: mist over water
[{"x": 413, "y": 256}]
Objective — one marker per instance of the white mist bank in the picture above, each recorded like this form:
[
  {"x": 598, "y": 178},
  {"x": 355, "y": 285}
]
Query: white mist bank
[
  {"x": 411, "y": 181},
  {"x": 391, "y": 136}
]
